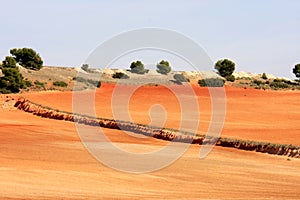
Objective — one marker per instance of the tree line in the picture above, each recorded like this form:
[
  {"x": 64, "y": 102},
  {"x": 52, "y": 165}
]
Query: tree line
[{"x": 12, "y": 80}]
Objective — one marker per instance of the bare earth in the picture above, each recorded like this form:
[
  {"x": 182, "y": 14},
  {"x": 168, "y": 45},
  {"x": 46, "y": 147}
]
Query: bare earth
[
  {"x": 271, "y": 116},
  {"x": 44, "y": 159}
]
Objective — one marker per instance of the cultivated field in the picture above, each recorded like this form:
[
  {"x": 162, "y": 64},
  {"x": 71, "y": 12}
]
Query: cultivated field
[{"x": 44, "y": 158}]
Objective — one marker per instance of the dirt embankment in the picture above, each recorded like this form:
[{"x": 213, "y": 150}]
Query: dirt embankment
[{"x": 46, "y": 112}]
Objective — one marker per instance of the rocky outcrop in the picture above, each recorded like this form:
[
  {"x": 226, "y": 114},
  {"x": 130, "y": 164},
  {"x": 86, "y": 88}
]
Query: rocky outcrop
[{"x": 164, "y": 134}]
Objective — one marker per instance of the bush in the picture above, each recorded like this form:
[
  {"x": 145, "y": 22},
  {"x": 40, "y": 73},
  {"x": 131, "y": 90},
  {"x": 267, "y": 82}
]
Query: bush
[
  {"x": 88, "y": 81},
  {"x": 138, "y": 67},
  {"x": 257, "y": 82},
  {"x": 85, "y": 67},
  {"x": 120, "y": 75},
  {"x": 211, "y": 82},
  {"x": 163, "y": 67},
  {"x": 180, "y": 78},
  {"x": 279, "y": 85},
  {"x": 60, "y": 84},
  {"x": 230, "y": 78},
  {"x": 28, "y": 58},
  {"x": 28, "y": 83},
  {"x": 225, "y": 67},
  {"x": 39, "y": 84},
  {"x": 264, "y": 76}
]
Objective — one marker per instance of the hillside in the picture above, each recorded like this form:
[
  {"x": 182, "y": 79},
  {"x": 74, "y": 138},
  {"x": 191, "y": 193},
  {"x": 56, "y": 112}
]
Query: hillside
[{"x": 45, "y": 78}]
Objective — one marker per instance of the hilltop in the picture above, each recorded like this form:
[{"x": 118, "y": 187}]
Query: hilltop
[{"x": 51, "y": 77}]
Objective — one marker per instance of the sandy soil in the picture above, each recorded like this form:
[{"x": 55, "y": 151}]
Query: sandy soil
[
  {"x": 271, "y": 116},
  {"x": 44, "y": 159}
]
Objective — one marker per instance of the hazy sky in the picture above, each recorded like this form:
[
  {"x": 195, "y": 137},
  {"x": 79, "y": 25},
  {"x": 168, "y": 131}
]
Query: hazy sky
[{"x": 258, "y": 35}]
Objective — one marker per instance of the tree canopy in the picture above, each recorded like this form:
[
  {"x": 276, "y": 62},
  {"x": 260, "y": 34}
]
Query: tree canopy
[
  {"x": 225, "y": 68},
  {"x": 28, "y": 58},
  {"x": 296, "y": 70},
  {"x": 163, "y": 67},
  {"x": 12, "y": 81},
  {"x": 138, "y": 67}
]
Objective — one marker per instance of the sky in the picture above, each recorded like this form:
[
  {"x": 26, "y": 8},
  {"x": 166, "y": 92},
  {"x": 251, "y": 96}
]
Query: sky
[{"x": 258, "y": 35}]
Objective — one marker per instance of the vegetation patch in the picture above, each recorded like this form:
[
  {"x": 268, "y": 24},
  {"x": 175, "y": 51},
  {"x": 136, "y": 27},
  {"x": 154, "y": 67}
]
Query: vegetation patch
[
  {"x": 88, "y": 82},
  {"x": 39, "y": 84},
  {"x": 211, "y": 82},
  {"x": 180, "y": 78},
  {"x": 120, "y": 75},
  {"x": 60, "y": 84}
]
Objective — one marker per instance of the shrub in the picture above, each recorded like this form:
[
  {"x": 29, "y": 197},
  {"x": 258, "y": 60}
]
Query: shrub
[
  {"x": 60, "y": 84},
  {"x": 180, "y": 78},
  {"x": 230, "y": 78},
  {"x": 279, "y": 84},
  {"x": 264, "y": 76},
  {"x": 138, "y": 67},
  {"x": 211, "y": 82},
  {"x": 163, "y": 67},
  {"x": 88, "y": 81},
  {"x": 120, "y": 75},
  {"x": 85, "y": 67},
  {"x": 28, "y": 83},
  {"x": 28, "y": 58},
  {"x": 257, "y": 82},
  {"x": 39, "y": 84},
  {"x": 225, "y": 67}
]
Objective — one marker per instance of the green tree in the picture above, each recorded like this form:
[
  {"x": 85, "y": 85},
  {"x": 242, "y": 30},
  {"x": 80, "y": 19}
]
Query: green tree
[
  {"x": 138, "y": 67},
  {"x": 28, "y": 58},
  {"x": 264, "y": 76},
  {"x": 12, "y": 81},
  {"x": 163, "y": 67},
  {"x": 85, "y": 67},
  {"x": 225, "y": 68},
  {"x": 296, "y": 70},
  {"x": 9, "y": 62}
]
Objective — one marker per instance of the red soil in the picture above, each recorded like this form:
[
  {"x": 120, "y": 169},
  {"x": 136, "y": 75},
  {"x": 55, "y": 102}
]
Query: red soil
[
  {"x": 44, "y": 159},
  {"x": 271, "y": 116}
]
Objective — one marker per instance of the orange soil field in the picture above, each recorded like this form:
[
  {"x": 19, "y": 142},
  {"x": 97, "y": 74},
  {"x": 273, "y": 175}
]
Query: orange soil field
[
  {"x": 44, "y": 159},
  {"x": 270, "y": 116}
]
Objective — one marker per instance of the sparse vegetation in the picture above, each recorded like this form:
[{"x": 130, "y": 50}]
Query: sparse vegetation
[
  {"x": 180, "y": 78},
  {"x": 60, "y": 84},
  {"x": 28, "y": 83},
  {"x": 163, "y": 67},
  {"x": 279, "y": 84},
  {"x": 89, "y": 82},
  {"x": 211, "y": 82},
  {"x": 120, "y": 75},
  {"x": 39, "y": 84}
]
